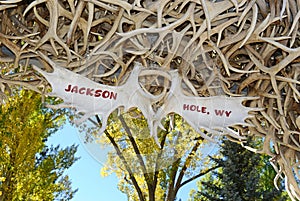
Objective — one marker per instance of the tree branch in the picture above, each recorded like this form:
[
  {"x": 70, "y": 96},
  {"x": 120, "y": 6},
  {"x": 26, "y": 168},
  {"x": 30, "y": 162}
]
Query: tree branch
[
  {"x": 162, "y": 144},
  {"x": 157, "y": 165},
  {"x": 134, "y": 144},
  {"x": 198, "y": 175},
  {"x": 186, "y": 165},
  {"x": 171, "y": 193},
  {"x": 128, "y": 169},
  {"x": 148, "y": 179}
]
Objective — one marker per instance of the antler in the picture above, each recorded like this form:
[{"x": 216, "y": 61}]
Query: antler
[{"x": 251, "y": 48}]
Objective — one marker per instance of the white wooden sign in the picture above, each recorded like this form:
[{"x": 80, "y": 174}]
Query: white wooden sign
[
  {"x": 214, "y": 114},
  {"x": 93, "y": 98}
]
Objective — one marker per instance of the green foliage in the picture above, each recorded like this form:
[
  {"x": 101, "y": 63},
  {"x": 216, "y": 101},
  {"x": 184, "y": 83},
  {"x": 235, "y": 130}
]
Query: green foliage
[
  {"x": 30, "y": 170},
  {"x": 147, "y": 171},
  {"x": 243, "y": 176}
]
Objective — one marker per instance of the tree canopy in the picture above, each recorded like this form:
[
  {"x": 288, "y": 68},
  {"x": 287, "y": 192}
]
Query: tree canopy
[
  {"x": 241, "y": 176},
  {"x": 147, "y": 171},
  {"x": 29, "y": 169}
]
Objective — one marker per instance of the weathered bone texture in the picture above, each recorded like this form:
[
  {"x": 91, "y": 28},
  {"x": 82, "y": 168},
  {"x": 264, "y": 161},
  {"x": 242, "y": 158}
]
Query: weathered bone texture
[{"x": 236, "y": 47}]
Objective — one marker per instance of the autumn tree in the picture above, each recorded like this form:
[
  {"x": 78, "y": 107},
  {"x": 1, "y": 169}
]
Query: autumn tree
[
  {"x": 147, "y": 170},
  {"x": 242, "y": 176},
  {"x": 29, "y": 169}
]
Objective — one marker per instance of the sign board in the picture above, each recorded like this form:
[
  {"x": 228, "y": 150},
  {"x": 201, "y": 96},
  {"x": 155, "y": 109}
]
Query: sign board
[{"x": 214, "y": 114}]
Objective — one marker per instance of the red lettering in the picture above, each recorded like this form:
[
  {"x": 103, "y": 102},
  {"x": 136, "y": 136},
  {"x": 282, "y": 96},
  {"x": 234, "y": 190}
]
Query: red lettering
[
  {"x": 98, "y": 93},
  {"x": 74, "y": 89},
  {"x": 227, "y": 113},
  {"x": 81, "y": 90},
  {"x": 201, "y": 109},
  {"x": 193, "y": 107},
  {"x": 68, "y": 88},
  {"x": 186, "y": 107},
  {"x": 89, "y": 91},
  {"x": 219, "y": 112},
  {"x": 105, "y": 94},
  {"x": 113, "y": 95},
  {"x": 196, "y": 108}
]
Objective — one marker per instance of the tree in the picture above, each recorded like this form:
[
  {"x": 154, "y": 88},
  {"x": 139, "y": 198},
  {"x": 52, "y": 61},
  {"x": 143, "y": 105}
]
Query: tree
[
  {"x": 148, "y": 171},
  {"x": 242, "y": 176},
  {"x": 29, "y": 169}
]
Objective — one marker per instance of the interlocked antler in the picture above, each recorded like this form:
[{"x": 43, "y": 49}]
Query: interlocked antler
[{"x": 254, "y": 46}]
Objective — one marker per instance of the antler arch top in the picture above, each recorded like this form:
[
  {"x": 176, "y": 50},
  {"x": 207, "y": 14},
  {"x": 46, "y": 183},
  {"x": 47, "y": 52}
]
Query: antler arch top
[{"x": 239, "y": 47}]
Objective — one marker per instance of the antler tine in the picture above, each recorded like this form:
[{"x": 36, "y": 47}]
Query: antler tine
[{"x": 254, "y": 45}]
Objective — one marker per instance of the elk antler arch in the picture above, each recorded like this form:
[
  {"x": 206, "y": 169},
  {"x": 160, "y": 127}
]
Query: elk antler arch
[{"x": 252, "y": 47}]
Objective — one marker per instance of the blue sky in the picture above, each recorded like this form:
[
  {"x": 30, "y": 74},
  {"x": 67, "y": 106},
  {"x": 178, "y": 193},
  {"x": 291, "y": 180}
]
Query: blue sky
[{"x": 85, "y": 173}]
